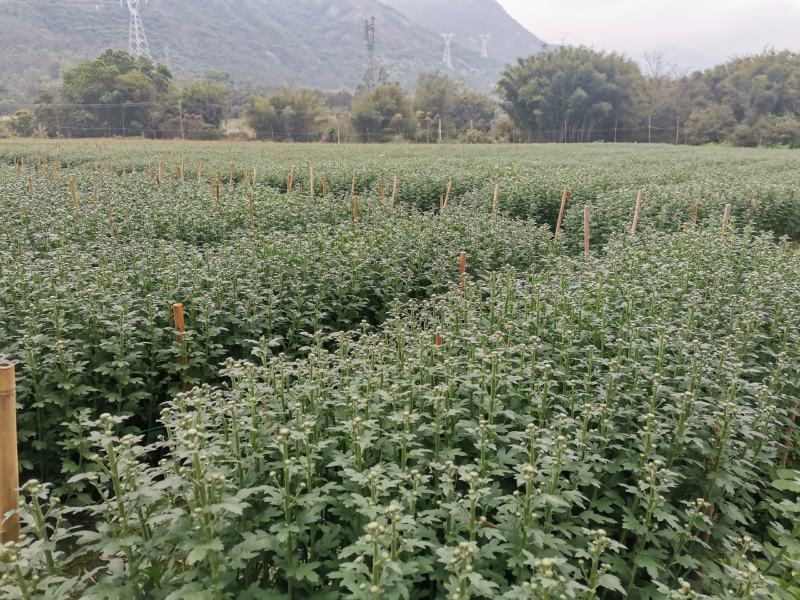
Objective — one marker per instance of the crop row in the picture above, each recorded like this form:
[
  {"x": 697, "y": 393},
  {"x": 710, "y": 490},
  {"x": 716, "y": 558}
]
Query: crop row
[{"x": 590, "y": 429}]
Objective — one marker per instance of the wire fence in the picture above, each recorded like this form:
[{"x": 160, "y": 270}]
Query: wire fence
[{"x": 179, "y": 120}]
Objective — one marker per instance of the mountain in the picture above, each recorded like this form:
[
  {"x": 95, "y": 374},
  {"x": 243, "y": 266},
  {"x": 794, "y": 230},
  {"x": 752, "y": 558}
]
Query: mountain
[
  {"x": 316, "y": 43},
  {"x": 468, "y": 19}
]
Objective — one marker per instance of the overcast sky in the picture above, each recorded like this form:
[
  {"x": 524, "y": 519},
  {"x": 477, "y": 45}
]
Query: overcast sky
[{"x": 694, "y": 34}]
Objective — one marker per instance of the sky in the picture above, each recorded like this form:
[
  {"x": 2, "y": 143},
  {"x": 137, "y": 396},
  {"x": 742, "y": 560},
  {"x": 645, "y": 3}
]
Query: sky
[{"x": 691, "y": 34}]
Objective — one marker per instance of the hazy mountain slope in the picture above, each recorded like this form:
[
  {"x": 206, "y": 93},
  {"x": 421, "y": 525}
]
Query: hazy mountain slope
[
  {"x": 470, "y": 18},
  {"x": 272, "y": 42}
]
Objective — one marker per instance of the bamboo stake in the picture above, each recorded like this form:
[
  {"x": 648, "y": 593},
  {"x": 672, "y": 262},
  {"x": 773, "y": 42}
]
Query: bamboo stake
[
  {"x": 495, "y": 199},
  {"x": 447, "y": 195},
  {"x": 110, "y": 219},
  {"x": 565, "y": 196},
  {"x": 324, "y": 188},
  {"x": 437, "y": 340},
  {"x": 180, "y": 324},
  {"x": 753, "y": 207},
  {"x": 290, "y": 181},
  {"x": 462, "y": 270},
  {"x": 73, "y": 188},
  {"x": 636, "y": 211},
  {"x": 695, "y": 211},
  {"x": 9, "y": 463},
  {"x": 31, "y": 187},
  {"x": 394, "y": 190},
  {"x": 586, "y": 210},
  {"x": 383, "y": 194},
  {"x": 726, "y": 217},
  {"x": 355, "y": 210}
]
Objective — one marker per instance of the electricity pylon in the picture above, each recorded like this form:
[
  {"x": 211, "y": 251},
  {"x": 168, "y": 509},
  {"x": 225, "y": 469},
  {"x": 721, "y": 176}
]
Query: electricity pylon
[
  {"x": 485, "y": 44},
  {"x": 137, "y": 40},
  {"x": 369, "y": 41},
  {"x": 447, "y": 57}
]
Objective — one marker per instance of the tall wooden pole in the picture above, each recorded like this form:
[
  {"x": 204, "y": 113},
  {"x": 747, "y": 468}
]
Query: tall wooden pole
[
  {"x": 636, "y": 211},
  {"x": 726, "y": 217},
  {"x": 9, "y": 463},
  {"x": 565, "y": 195},
  {"x": 495, "y": 199}
]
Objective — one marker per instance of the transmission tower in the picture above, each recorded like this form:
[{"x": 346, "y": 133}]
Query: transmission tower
[
  {"x": 447, "y": 57},
  {"x": 485, "y": 44},
  {"x": 137, "y": 40},
  {"x": 369, "y": 41}
]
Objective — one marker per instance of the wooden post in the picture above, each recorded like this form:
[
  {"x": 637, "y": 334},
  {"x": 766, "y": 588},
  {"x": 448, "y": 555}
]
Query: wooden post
[
  {"x": 586, "y": 210},
  {"x": 383, "y": 194},
  {"x": 495, "y": 199},
  {"x": 753, "y": 208},
  {"x": 324, "y": 188},
  {"x": 565, "y": 196},
  {"x": 355, "y": 210},
  {"x": 110, "y": 219},
  {"x": 726, "y": 217},
  {"x": 73, "y": 188},
  {"x": 199, "y": 171},
  {"x": 462, "y": 270},
  {"x": 9, "y": 463},
  {"x": 290, "y": 181},
  {"x": 636, "y": 211},
  {"x": 353, "y": 186},
  {"x": 437, "y": 340},
  {"x": 695, "y": 211},
  {"x": 180, "y": 325},
  {"x": 447, "y": 194},
  {"x": 394, "y": 190},
  {"x": 31, "y": 188}
]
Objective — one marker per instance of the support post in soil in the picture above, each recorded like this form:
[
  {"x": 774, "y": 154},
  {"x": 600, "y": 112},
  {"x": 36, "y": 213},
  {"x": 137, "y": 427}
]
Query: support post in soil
[
  {"x": 73, "y": 188},
  {"x": 9, "y": 462},
  {"x": 695, "y": 211},
  {"x": 753, "y": 207},
  {"x": 394, "y": 190},
  {"x": 462, "y": 270},
  {"x": 726, "y": 217},
  {"x": 636, "y": 211},
  {"x": 565, "y": 196},
  {"x": 324, "y": 188},
  {"x": 447, "y": 194},
  {"x": 586, "y": 210},
  {"x": 495, "y": 199}
]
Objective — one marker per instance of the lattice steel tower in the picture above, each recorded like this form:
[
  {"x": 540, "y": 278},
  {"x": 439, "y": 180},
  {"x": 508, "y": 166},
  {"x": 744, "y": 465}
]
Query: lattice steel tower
[
  {"x": 485, "y": 44},
  {"x": 447, "y": 57},
  {"x": 369, "y": 41},
  {"x": 137, "y": 40}
]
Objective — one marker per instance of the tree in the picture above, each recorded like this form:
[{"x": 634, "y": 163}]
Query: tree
[
  {"x": 116, "y": 90},
  {"x": 22, "y": 123},
  {"x": 289, "y": 114},
  {"x": 713, "y": 123},
  {"x": 575, "y": 90},
  {"x": 471, "y": 110},
  {"x": 386, "y": 110},
  {"x": 434, "y": 98},
  {"x": 207, "y": 98}
]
